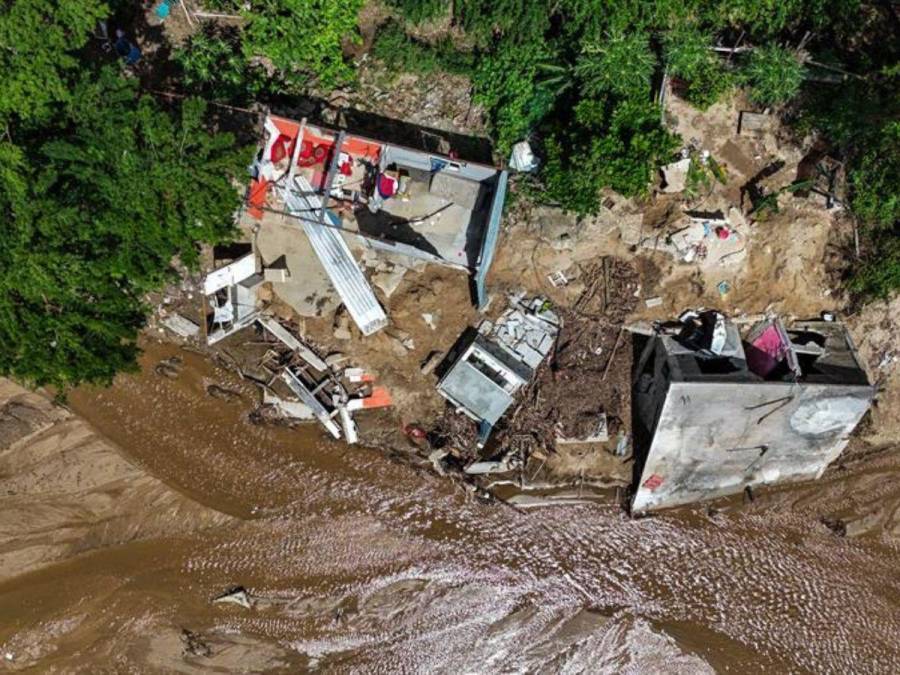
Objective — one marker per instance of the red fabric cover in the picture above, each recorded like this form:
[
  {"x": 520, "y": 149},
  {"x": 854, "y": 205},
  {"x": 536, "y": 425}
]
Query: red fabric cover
[
  {"x": 282, "y": 147},
  {"x": 387, "y": 186}
]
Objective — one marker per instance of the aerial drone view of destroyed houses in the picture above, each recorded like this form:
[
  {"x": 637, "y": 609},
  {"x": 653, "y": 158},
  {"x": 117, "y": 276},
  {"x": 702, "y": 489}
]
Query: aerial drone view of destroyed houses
[{"x": 359, "y": 300}]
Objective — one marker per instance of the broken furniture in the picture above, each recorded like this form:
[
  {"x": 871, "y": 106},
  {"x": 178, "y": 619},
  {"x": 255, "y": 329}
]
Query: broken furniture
[
  {"x": 490, "y": 366},
  {"x": 717, "y": 412}
]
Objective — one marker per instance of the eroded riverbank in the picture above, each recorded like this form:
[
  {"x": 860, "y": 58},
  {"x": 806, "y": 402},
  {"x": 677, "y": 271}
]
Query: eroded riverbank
[{"x": 355, "y": 561}]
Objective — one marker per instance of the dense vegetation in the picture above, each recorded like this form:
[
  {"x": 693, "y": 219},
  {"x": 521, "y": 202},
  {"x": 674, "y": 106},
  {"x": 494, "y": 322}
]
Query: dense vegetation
[
  {"x": 577, "y": 78},
  {"x": 104, "y": 188}
]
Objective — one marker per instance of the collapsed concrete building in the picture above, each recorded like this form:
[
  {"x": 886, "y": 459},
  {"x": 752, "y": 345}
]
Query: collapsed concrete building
[
  {"x": 488, "y": 367},
  {"x": 716, "y": 412},
  {"x": 346, "y": 196},
  {"x": 319, "y": 202}
]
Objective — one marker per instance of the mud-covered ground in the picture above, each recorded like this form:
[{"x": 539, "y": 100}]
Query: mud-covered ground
[{"x": 122, "y": 522}]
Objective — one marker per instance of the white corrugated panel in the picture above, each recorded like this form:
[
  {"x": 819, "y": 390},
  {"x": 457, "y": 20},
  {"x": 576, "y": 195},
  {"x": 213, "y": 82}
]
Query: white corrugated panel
[
  {"x": 339, "y": 264},
  {"x": 230, "y": 275}
]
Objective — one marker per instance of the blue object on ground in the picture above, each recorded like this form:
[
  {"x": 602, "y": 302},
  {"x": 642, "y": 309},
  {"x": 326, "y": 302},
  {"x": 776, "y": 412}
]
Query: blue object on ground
[
  {"x": 162, "y": 11},
  {"x": 128, "y": 51}
]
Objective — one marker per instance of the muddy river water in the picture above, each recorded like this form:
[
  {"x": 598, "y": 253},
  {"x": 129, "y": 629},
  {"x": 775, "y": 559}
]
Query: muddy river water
[{"x": 356, "y": 561}]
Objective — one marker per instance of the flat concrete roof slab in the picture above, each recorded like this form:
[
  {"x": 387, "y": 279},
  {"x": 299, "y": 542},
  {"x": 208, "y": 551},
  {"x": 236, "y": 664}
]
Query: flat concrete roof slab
[
  {"x": 468, "y": 387},
  {"x": 308, "y": 289}
]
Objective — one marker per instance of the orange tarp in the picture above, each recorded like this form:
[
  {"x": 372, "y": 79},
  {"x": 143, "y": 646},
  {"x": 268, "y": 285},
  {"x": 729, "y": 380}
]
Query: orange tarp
[
  {"x": 259, "y": 189},
  {"x": 353, "y": 145},
  {"x": 380, "y": 398}
]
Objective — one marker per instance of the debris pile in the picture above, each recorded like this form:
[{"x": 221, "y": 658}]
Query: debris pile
[
  {"x": 584, "y": 394},
  {"x": 303, "y": 386},
  {"x": 704, "y": 239}
]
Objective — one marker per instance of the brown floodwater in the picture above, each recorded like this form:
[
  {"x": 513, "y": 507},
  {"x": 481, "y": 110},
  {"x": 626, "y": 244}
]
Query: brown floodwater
[{"x": 360, "y": 562}]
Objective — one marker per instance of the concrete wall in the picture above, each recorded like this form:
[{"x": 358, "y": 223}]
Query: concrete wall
[
  {"x": 714, "y": 439},
  {"x": 489, "y": 242},
  {"x": 423, "y": 161}
]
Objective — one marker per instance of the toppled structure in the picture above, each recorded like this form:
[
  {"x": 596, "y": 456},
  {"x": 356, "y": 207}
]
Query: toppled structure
[
  {"x": 231, "y": 295},
  {"x": 352, "y": 195},
  {"x": 716, "y": 412},
  {"x": 488, "y": 367}
]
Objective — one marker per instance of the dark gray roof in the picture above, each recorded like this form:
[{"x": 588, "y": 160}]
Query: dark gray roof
[{"x": 470, "y": 388}]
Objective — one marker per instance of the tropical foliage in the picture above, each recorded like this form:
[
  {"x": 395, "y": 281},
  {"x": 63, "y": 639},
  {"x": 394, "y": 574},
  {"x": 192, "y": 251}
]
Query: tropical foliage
[
  {"x": 37, "y": 39},
  {"x": 212, "y": 65},
  {"x": 303, "y": 38},
  {"x": 773, "y": 74},
  {"x": 100, "y": 203}
]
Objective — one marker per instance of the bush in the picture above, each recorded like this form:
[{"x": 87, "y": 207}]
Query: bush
[
  {"x": 875, "y": 182},
  {"x": 212, "y": 65},
  {"x": 623, "y": 64},
  {"x": 417, "y": 11},
  {"x": 878, "y": 275},
  {"x": 521, "y": 22},
  {"x": 616, "y": 147},
  {"x": 401, "y": 53},
  {"x": 506, "y": 85},
  {"x": 689, "y": 58},
  {"x": 303, "y": 39},
  {"x": 774, "y": 75}
]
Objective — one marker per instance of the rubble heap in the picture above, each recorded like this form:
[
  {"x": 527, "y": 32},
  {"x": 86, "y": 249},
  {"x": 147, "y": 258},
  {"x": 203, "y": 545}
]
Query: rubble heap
[{"x": 588, "y": 376}]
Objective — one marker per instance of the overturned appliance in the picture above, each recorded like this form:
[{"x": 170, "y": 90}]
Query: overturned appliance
[
  {"x": 717, "y": 412},
  {"x": 488, "y": 367}
]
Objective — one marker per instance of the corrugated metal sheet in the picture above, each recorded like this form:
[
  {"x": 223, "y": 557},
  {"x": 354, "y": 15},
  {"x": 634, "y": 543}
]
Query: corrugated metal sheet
[
  {"x": 339, "y": 264},
  {"x": 489, "y": 245}
]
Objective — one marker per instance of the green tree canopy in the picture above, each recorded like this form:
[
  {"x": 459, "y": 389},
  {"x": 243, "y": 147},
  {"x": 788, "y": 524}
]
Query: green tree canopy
[
  {"x": 37, "y": 38},
  {"x": 774, "y": 75},
  {"x": 622, "y": 64},
  {"x": 875, "y": 181},
  {"x": 99, "y": 206},
  {"x": 689, "y": 58},
  {"x": 617, "y": 147},
  {"x": 303, "y": 38},
  {"x": 212, "y": 65}
]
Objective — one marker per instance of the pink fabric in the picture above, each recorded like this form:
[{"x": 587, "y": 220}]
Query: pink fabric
[
  {"x": 387, "y": 186},
  {"x": 766, "y": 352}
]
